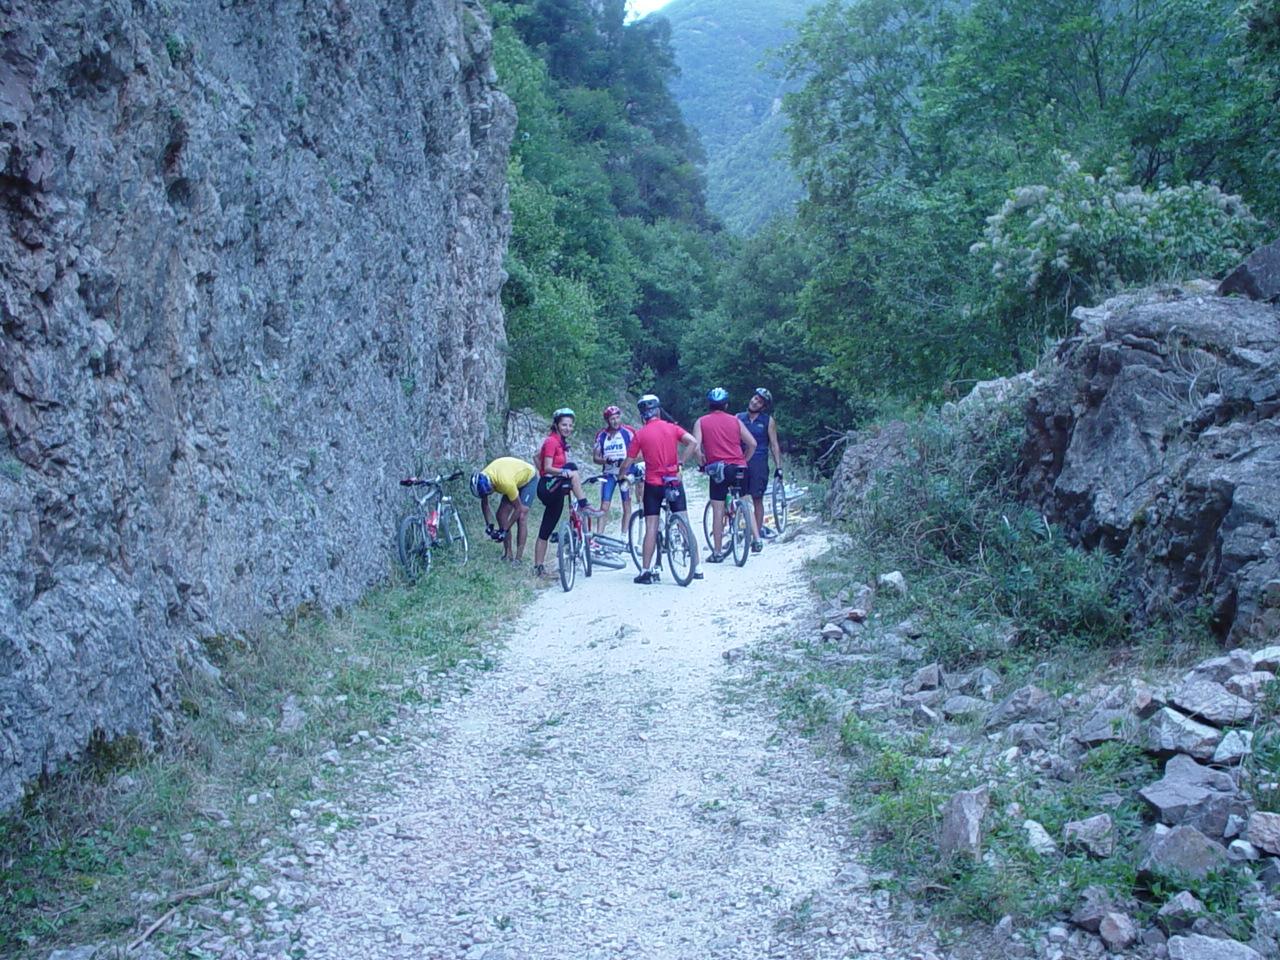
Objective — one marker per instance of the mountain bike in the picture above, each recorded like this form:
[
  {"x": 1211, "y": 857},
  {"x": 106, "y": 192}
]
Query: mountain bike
[
  {"x": 675, "y": 538},
  {"x": 436, "y": 525},
  {"x": 736, "y": 525},
  {"x": 579, "y": 548}
]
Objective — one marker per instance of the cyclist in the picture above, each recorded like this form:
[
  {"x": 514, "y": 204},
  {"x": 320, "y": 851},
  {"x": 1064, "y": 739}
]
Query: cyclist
[
  {"x": 725, "y": 440},
  {"x": 609, "y": 451},
  {"x": 662, "y": 446},
  {"x": 517, "y": 482},
  {"x": 559, "y": 477},
  {"x": 759, "y": 421}
]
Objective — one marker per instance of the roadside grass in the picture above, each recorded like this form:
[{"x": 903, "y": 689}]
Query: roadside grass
[
  {"x": 95, "y": 849},
  {"x": 991, "y": 584}
]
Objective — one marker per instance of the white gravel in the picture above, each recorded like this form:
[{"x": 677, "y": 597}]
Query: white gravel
[{"x": 600, "y": 794}]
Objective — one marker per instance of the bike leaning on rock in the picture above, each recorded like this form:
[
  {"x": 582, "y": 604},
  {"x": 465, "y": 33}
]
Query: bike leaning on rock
[{"x": 435, "y": 525}]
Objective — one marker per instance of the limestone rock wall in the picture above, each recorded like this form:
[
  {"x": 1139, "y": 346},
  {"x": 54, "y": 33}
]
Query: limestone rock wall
[{"x": 249, "y": 274}]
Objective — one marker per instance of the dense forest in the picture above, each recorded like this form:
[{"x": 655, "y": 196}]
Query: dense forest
[{"x": 971, "y": 173}]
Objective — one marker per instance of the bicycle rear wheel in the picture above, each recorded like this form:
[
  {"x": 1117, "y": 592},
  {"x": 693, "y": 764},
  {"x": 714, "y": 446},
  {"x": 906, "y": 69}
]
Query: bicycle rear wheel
[
  {"x": 582, "y": 550},
  {"x": 565, "y": 558},
  {"x": 454, "y": 535},
  {"x": 635, "y": 539},
  {"x": 680, "y": 549},
  {"x": 411, "y": 546},
  {"x": 739, "y": 534},
  {"x": 708, "y": 518},
  {"x": 779, "y": 506}
]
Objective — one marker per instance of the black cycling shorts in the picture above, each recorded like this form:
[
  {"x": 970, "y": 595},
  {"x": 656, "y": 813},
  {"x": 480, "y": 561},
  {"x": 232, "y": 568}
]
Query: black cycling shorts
[
  {"x": 654, "y": 495},
  {"x": 552, "y": 491},
  {"x": 757, "y": 478},
  {"x": 733, "y": 475}
]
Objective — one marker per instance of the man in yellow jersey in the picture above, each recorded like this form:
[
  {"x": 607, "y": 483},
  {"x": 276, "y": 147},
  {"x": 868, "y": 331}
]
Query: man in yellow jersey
[{"x": 517, "y": 482}]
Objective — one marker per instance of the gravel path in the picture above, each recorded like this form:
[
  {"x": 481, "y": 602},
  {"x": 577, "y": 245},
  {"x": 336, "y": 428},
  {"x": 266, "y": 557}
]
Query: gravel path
[{"x": 604, "y": 793}]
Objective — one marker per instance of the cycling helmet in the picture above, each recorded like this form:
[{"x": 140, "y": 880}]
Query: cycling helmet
[
  {"x": 562, "y": 412},
  {"x": 718, "y": 398},
  {"x": 648, "y": 405},
  {"x": 611, "y": 411},
  {"x": 481, "y": 485},
  {"x": 764, "y": 394}
]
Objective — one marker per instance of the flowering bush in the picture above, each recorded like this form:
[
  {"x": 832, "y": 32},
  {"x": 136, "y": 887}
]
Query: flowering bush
[{"x": 1084, "y": 236}]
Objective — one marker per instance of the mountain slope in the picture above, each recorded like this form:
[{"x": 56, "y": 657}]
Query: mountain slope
[{"x": 728, "y": 91}]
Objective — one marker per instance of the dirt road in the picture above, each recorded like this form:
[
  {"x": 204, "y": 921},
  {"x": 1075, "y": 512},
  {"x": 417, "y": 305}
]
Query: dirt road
[{"x": 605, "y": 792}]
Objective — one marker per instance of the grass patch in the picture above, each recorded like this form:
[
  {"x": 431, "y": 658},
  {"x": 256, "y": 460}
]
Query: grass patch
[{"x": 95, "y": 849}]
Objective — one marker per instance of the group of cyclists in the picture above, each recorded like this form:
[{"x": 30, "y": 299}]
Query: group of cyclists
[{"x": 742, "y": 444}]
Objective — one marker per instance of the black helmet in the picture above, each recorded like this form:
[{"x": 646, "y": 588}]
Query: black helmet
[{"x": 648, "y": 405}]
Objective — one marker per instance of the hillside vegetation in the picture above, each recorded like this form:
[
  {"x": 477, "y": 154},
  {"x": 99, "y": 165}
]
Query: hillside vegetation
[{"x": 730, "y": 91}]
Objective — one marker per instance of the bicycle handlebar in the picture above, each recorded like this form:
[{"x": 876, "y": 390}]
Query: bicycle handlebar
[{"x": 438, "y": 479}]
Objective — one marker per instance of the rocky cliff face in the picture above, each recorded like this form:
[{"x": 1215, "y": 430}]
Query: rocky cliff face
[
  {"x": 1156, "y": 433},
  {"x": 249, "y": 274}
]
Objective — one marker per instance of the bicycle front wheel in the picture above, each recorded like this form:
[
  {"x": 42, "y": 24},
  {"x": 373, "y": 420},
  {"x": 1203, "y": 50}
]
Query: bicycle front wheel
[
  {"x": 680, "y": 549},
  {"x": 635, "y": 539},
  {"x": 411, "y": 546},
  {"x": 583, "y": 550},
  {"x": 455, "y": 535},
  {"x": 565, "y": 558},
  {"x": 739, "y": 533},
  {"x": 779, "y": 506},
  {"x": 708, "y": 519}
]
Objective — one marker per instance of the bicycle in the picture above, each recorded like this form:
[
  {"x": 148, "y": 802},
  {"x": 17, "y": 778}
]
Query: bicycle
[
  {"x": 736, "y": 524},
  {"x": 578, "y": 547},
  {"x": 435, "y": 525},
  {"x": 675, "y": 538}
]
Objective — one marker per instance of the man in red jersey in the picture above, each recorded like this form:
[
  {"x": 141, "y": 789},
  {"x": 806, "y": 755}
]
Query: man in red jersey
[
  {"x": 726, "y": 440},
  {"x": 659, "y": 444}
]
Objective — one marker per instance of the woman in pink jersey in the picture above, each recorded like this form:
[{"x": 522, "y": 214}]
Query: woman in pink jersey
[{"x": 725, "y": 439}]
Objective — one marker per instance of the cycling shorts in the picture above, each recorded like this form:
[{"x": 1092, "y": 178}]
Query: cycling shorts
[
  {"x": 757, "y": 478},
  {"x": 654, "y": 495},
  {"x": 552, "y": 491},
  {"x": 526, "y": 493},
  {"x": 606, "y": 489},
  {"x": 733, "y": 475}
]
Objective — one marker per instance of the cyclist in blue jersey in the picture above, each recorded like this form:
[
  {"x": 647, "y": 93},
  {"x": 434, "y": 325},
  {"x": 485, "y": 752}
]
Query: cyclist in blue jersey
[
  {"x": 760, "y": 424},
  {"x": 609, "y": 451}
]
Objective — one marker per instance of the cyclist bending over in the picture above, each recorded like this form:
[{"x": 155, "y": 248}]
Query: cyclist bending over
[
  {"x": 559, "y": 477},
  {"x": 516, "y": 481},
  {"x": 609, "y": 451},
  {"x": 662, "y": 446},
  {"x": 725, "y": 439}
]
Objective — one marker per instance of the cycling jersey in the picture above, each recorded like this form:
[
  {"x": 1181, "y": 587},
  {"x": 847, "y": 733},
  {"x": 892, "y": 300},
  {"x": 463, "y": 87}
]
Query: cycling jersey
[
  {"x": 658, "y": 443},
  {"x": 722, "y": 439},
  {"x": 759, "y": 428},
  {"x": 613, "y": 449},
  {"x": 557, "y": 449},
  {"x": 509, "y": 474}
]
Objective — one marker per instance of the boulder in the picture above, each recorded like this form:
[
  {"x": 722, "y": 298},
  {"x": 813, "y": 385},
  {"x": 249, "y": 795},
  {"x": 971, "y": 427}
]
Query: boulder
[
  {"x": 1095, "y": 903},
  {"x": 960, "y": 706},
  {"x": 1235, "y": 746},
  {"x": 1106, "y": 724},
  {"x": 1196, "y": 795},
  {"x": 1221, "y": 669},
  {"x": 1264, "y": 831},
  {"x": 1117, "y": 931},
  {"x": 1029, "y": 736},
  {"x": 1196, "y": 946},
  {"x": 1182, "y": 852},
  {"x": 962, "y": 823},
  {"x": 926, "y": 678},
  {"x": 1268, "y": 658},
  {"x": 1250, "y": 686},
  {"x": 1179, "y": 912},
  {"x": 1242, "y": 851},
  {"x": 894, "y": 581},
  {"x": 831, "y": 631},
  {"x": 1169, "y": 731},
  {"x": 1211, "y": 702},
  {"x": 1029, "y": 704},
  {"x": 1038, "y": 838},
  {"x": 1094, "y": 835},
  {"x": 1258, "y": 278}
]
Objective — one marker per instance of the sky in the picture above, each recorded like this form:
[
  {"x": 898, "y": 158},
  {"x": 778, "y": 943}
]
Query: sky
[{"x": 638, "y": 8}]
